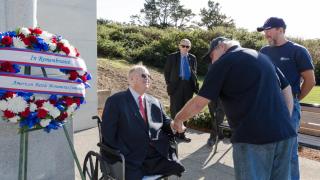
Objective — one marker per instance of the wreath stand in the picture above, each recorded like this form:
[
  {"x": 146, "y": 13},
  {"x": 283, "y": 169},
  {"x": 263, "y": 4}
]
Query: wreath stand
[{"x": 23, "y": 155}]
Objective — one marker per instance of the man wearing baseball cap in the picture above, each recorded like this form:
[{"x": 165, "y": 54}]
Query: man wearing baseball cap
[
  {"x": 295, "y": 62},
  {"x": 257, "y": 100}
]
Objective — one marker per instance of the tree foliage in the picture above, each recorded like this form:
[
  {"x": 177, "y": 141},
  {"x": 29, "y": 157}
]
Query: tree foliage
[
  {"x": 163, "y": 14},
  {"x": 212, "y": 17}
]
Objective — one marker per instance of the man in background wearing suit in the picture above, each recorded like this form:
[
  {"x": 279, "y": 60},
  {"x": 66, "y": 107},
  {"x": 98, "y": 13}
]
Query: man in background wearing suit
[
  {"x": 135, "y": 123},
  {"x": 180, "y": 73}
]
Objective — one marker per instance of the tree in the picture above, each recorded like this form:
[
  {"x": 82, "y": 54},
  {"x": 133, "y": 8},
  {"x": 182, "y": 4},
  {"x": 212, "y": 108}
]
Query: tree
[
  {"x": 181, "y": 16},
  {"x": 163, "y": 13},
  {"x": 212, "y": 17}
]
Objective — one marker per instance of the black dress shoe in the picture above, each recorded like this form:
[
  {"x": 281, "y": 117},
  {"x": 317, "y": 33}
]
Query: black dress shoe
[
  {"x": 220, "y": 136},
  {"x": 185, "y": 139},
  {"x": 211, "y": 142},
  {"x": 182, "y": 137}
]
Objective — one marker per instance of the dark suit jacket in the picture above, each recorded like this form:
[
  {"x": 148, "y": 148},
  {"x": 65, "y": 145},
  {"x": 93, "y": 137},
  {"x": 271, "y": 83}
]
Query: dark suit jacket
[
  {"x": 172, "y": 70},
  {"x": 123, "y": 127}
]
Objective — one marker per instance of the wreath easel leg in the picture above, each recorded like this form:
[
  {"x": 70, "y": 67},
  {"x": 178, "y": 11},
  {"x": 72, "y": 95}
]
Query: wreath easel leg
[
  {"x": 23, "y": 157},
  {"x": 73, "y": 152}
]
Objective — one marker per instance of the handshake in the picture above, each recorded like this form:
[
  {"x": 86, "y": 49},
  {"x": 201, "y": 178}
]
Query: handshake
[{"x": 177, "y": 126}]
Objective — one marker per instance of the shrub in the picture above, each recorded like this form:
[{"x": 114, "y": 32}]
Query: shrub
[{"x": 152, "y": 45}]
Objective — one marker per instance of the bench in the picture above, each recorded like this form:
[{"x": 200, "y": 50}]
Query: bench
[{"x": 309, "y": 132}]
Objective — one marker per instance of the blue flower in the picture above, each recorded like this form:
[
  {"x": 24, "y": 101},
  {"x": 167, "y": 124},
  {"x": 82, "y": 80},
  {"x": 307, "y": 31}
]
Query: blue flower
[
  {"x": 89, "y": 77},
  {"x": 26, "y": 96}
]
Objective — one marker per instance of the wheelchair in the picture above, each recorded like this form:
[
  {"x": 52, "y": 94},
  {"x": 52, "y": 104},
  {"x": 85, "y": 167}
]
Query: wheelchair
[{"x": 96, "y": 166}]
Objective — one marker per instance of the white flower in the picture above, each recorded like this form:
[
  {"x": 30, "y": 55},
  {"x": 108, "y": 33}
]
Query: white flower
[
  {"x": 53, "y": 111},
  {"x": 47, "y": 105},
  {"x": 17, "y": 104},
  {"x": 33, "y": 107},
  {"x": 52, "y": 46},
  {"x": 3, "y": 105},
  {"x": 14, "y": 119},
  {"x": 46, "y": 36},
  {"x": 81, "y": 73},
  {"x": 25, "y": 31},
  {"x": 72, "y": 52},
  {"x": 65, "y": 42},
  {"x": 45, "y": 122},
  {"x": 18, "y": 43},
  {"x": 71, "y": 108}
]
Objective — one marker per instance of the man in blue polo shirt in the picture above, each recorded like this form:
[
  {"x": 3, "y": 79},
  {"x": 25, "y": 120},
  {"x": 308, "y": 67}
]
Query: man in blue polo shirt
[
  {"x": 257, "y": 100},
  {"x": 295, "y": 62}
]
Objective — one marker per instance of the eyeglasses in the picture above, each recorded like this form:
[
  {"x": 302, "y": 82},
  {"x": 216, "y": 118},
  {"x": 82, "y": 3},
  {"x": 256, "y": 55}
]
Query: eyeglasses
[
  {"x": 184, "y": 46},
  {"x": 145, "y": 76}
]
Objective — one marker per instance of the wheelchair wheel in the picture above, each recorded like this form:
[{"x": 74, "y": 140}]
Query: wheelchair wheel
[{"x": 94, "y": 167}]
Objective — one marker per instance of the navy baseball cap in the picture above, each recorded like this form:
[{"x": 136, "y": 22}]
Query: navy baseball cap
[
  {"x": 272, "y": 22},
  {"x": 213, "y": 44}
]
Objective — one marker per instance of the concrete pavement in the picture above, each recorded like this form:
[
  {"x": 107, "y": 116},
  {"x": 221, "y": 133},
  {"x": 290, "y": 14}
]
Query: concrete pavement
[{"x": 198, "y": 159}]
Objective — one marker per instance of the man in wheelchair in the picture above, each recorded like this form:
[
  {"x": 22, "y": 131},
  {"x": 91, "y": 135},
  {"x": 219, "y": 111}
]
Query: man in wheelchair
[{"x": 135, "y": 123}]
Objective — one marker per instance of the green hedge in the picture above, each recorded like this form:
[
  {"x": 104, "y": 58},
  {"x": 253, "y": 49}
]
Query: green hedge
[{"x": 151, "y": 45}]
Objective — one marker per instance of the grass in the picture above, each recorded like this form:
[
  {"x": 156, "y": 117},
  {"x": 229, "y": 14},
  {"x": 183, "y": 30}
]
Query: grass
[
  {"x": 313, "y": 97},
  {"x": 121, "y": 64}
]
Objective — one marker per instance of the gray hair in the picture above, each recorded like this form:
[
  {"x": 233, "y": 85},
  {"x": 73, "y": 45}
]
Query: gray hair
[
  {"x": 135, "y": 69},
  {"x": 230, "y": 43},
  {"x": 185, "y": 41}
]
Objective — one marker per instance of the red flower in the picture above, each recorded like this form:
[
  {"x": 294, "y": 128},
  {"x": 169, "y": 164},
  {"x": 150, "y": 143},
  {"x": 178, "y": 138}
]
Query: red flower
[
  {"x": 6, "y": 40},
  {"x": 68, "y": 101},
  {"x": 54, "y": 40},
  {"x": 21, "y": 36},
  {"x": 26, "y": 41},
  {"x": 8, "y": 114},
  {"x": 77, "y": 52},
  {"x": 33, "y": 39},
  {"x": 9, "y": 94},
  {"x": 63, "y": 116},
  {"x": 84, "y": 78},
  {"x": 59, "y": 45},
  {"x": 37, "y": 31},
  {"x": 31, "y": 30},
  {"x": 25, "y": 113},
  {"x": 77, "y": 101},
  {"x": 42, "y": 113},
  {"x": 52, "y": 101},
  {"x": 39, "y": 103},
  {"x": 7, "y": 67},
  {"x": 65, "y": 50},
  {"x": 73, "y": 75}
]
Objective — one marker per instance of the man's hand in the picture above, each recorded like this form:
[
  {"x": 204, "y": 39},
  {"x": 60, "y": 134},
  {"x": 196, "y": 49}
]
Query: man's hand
[{"x": 178, "y": 126}]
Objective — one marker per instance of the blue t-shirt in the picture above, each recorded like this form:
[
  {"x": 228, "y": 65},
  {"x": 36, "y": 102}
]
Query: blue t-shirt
[
  {"x": 292, "y": 59},
  {"x": 250, "y": 91}
]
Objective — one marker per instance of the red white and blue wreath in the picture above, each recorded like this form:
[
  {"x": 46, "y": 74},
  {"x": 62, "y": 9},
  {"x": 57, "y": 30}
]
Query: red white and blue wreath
[{"x": 39, "y": 102}]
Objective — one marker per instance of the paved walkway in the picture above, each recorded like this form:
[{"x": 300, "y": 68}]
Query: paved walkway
[{"x": 197, "y": 158}]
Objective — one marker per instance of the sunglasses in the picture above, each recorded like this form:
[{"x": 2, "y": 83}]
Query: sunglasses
[
  {"x": 184, "y": 46},
  {"x": 145, "y": 76}
]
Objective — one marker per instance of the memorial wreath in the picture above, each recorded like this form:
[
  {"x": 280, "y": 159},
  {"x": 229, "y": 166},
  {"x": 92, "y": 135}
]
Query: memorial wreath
[{"x": 37, "y": 102}]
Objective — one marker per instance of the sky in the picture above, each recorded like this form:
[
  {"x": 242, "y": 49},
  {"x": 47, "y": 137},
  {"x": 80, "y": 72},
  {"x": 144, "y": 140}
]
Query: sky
[{"x": 301, "y": 17}]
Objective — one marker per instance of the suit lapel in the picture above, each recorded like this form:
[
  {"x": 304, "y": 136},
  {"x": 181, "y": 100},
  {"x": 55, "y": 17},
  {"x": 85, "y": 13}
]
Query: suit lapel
[
  {"x": 148, "y": 108},
  {"x": 178, "y": 63},
  {"x": 135, "y": 110}
]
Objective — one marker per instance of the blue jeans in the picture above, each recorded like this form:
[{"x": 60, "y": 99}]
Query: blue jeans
[
  {"x": 295, "y": 120},
  {"x": 262, "y": 161}
]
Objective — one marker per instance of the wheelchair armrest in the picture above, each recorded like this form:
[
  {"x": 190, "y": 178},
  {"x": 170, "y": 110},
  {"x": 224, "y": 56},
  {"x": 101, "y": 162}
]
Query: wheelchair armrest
[{"x": 109, "y": 150}]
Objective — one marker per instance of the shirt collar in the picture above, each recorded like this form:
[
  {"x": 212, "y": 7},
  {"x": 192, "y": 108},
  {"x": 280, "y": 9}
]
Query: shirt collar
[{"x": 135, "y": 95}]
